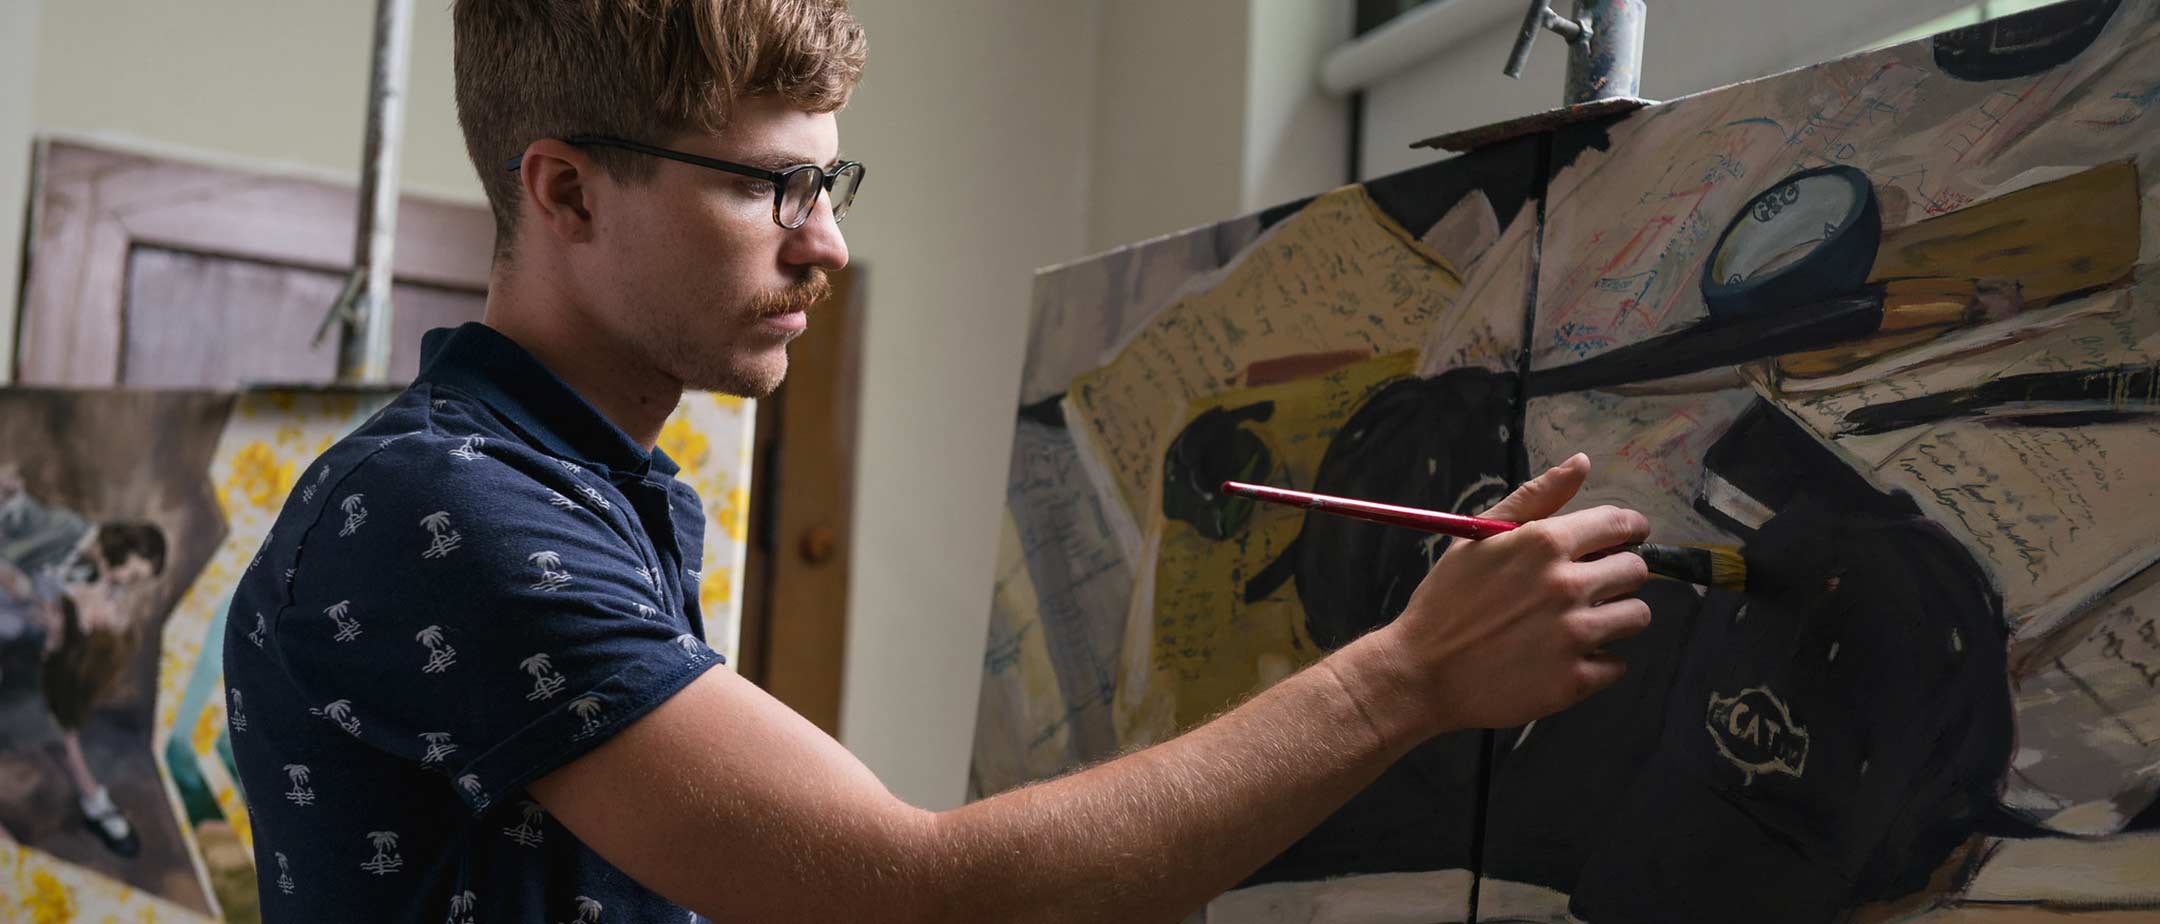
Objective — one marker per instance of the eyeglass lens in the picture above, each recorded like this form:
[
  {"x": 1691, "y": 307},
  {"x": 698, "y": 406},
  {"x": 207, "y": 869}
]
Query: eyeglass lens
[{"x": 800, "y": 195}]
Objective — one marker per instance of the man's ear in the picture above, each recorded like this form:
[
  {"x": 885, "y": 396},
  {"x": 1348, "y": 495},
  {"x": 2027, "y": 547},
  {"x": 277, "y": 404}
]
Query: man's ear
[{"x": 557, "y": 178}]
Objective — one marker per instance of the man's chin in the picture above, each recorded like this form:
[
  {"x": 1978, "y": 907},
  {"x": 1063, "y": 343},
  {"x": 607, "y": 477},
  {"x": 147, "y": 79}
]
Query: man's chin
[{"x": 757, "y": 378}]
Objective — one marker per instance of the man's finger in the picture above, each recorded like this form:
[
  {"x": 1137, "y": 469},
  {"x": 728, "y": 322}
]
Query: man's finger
[
  {"x": 1595, "y": 627},
  {"x": 1598, "y": 529},
  {"x": 1596, "y": 671},
  {"x": 1611, "y": 577},
  {"x": 1544, "y": 495}
]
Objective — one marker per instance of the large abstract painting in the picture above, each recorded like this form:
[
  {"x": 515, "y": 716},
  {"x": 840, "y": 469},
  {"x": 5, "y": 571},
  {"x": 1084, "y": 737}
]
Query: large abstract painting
[
  {"x": 1887, "y": 322},
  {"x": 125, "y": 518}
]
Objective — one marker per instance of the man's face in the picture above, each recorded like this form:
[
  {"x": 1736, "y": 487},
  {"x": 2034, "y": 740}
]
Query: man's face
[{"x": 689, "y": 269}]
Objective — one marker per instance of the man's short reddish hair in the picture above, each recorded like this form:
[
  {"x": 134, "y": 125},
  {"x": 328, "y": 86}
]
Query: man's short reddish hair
[{"x": 639, "y": 69}]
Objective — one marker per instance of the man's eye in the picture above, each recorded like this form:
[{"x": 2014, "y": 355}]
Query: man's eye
[{"x": 757, "y": 187}]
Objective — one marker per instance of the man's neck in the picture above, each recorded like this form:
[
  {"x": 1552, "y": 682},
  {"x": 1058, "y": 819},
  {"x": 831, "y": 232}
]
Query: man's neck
[{"x": 634, "y": 397}]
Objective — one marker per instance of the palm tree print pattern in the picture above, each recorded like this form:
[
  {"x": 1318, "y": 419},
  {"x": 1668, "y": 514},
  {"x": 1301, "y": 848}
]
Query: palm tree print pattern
[
  {"x": 462, "y": 904},
  {"x": 347, "y": 629},
  {"x": 552, "y": 578},
  {"x": 233, "y": 716},
  {"x": 439, "y": 748},
  {"x": 546, "y": 681},
  {"x": 527, "y": 832},
  {"x": 355, "y": 514},
  {"x": 299, "y": 794},
  {"x": 691, "y": 646},
  {"x": 588, "y": 911},
  {"x": 470, "y": 786},
  {"x": 442, "y": 540},
  {"x": 440, "y": 654},
  {"x": 386, "y": 859},
  {"x": 589, "y": 710},
  {"x": 470, "y": 450},
  {"x": 339, "y": 711}
]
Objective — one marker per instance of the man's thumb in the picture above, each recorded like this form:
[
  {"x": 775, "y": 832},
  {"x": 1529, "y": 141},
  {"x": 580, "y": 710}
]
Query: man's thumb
[{"x": 1544, "y": 495}]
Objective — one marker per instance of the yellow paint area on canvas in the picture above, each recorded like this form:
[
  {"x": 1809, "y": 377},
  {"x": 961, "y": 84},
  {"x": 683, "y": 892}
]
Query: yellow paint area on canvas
[{"x": 1211, "y": 647}]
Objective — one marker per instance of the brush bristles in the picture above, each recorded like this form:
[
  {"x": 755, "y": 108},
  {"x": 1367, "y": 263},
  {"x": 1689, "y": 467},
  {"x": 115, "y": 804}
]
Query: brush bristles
[{"x": 1728, "y": 568}]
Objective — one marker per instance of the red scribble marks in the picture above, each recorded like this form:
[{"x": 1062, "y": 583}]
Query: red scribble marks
[
  {"x": 1949, "y": 200},
  {"x": 2053, "y": 82}
]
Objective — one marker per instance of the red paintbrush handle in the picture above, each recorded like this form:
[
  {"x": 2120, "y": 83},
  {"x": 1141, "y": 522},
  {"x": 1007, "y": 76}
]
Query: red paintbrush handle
[{"x": 1452, "y": 524}]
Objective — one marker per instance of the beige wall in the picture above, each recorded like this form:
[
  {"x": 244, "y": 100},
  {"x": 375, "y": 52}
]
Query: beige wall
[
  {"x": 973, "y": 117},
  {"x": 1170, "y": 113}
]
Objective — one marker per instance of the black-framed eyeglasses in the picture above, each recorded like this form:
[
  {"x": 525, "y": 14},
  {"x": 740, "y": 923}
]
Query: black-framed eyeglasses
[{"x": 795, "y": 189}]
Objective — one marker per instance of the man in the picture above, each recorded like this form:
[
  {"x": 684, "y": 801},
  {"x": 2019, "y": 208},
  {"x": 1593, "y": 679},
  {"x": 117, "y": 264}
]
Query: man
[
  {"x": 73, "y": 586},
  {"x": 473, "y": 681}
]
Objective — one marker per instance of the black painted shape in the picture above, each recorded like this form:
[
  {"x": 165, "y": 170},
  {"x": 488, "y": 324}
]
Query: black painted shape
[
  {"x": 2055, "y": 399},
  {"x": 1212, "y": 449},
  {"x": 1836, "y": 267},
  {"x": 1416, "y": 198},
  {"x": 1050, "y": 412},
  {"x": 1882, "y": 640},
  {"x": 1439, "y": 444},
  {"x": 1555, "y": 788},
  {"x": 2024, "y": 43},
  {"x": 1712, "y": 343},
  {"x": 1574, "y": 140}
]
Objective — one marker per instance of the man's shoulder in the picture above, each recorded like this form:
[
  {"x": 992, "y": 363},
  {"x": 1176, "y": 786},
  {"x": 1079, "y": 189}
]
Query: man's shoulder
[
  {"x": 433, "y": 434},
  {"x": 434, "y": 449}
]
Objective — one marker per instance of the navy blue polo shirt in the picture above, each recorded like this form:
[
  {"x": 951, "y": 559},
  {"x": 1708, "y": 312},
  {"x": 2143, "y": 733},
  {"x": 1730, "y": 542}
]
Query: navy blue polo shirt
[{"x": 484, "y": 581}]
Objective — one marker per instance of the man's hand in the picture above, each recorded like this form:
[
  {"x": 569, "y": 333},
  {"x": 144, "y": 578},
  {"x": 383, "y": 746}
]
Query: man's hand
[{"x": 1505, "y": 630}]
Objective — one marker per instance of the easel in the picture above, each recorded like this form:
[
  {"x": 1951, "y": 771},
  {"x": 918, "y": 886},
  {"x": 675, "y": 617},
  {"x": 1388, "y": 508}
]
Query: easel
[{"x": 1604, "y": 70}]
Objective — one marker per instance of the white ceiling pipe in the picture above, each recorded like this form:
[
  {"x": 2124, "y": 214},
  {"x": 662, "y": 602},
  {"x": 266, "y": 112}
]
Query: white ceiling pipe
[{"x": 1412, "y": 39}]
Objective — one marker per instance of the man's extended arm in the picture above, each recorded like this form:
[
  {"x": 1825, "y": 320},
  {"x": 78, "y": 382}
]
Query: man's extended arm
[{"x": 729, "y": 803}]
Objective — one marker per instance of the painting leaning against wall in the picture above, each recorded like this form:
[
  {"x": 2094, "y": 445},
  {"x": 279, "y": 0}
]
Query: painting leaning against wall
[
  {"x": 120, "y": 664},
  {"x": 1885, "y": 322}
]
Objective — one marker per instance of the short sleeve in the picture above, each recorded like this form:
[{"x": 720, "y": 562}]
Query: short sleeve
[{"x": 488, "y": 615}]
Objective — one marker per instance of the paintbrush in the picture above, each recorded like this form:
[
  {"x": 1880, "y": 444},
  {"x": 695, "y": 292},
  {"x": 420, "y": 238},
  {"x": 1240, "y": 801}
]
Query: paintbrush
[{"x": 1708, "y": 565}]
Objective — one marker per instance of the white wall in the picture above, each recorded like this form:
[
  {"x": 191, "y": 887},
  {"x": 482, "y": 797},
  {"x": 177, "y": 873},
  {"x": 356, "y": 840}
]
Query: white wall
[
  {"x": 1690, "y": 46},
  {"x": 974, "y": 117}
]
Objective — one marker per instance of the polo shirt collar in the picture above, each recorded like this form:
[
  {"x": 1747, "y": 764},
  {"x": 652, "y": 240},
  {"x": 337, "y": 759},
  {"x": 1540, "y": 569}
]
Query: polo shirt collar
[{"x": 480, "y": 361}]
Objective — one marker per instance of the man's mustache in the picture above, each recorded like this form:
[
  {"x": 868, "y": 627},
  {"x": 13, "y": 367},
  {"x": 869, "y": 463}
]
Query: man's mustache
[{"x": 806, "y": 292}]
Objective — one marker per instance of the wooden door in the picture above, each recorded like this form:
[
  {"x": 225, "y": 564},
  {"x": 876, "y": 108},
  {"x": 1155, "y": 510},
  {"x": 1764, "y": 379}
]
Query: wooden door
[
  {"x": 794, "y": 621},
  {"x": 146, "y": 271}
]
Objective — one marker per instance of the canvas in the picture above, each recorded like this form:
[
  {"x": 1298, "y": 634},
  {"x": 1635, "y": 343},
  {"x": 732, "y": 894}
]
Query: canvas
[
  {"x": 211, "y": 470},
  {"x": 1881, "y": 321}
]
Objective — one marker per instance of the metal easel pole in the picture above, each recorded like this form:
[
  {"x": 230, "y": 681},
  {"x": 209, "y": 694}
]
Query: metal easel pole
[
  {"x": 1604, "y": 46},
  {"x": 364, "y": 306}
]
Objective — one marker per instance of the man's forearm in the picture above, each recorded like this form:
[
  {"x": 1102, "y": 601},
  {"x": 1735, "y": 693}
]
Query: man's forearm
[{"x": 1155, "y": 833}]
